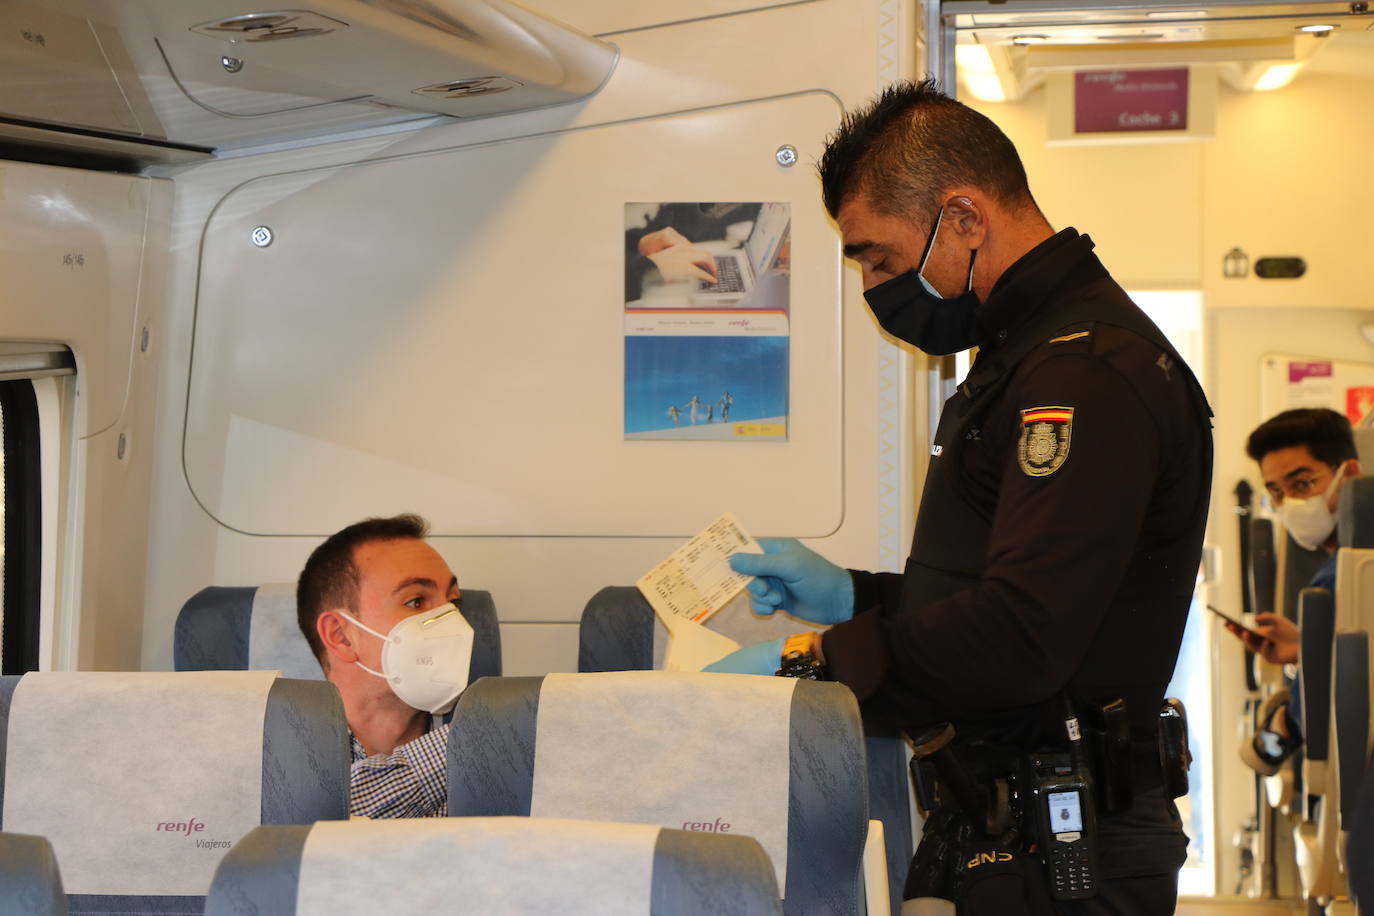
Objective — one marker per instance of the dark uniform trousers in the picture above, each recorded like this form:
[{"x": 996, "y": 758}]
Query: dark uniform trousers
[{"x": 1056, "y": 548}]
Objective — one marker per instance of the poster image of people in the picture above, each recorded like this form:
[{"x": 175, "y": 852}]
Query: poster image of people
[
  {"x": 716, "y": 388},
  {"x": 707, "y": 320}
]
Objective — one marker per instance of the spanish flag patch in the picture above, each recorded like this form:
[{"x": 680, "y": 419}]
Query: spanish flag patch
[{"x": 1045, "y": 436}]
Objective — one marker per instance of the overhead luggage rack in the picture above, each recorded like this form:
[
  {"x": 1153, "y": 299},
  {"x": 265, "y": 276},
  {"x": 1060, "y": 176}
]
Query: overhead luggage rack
[{"x": 142, "y": 81}]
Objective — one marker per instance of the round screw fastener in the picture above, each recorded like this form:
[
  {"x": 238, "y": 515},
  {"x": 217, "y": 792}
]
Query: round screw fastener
[
  {"x": 262, "y": 236},
  {"x": 231, "y": 64},
  {"x": 787, "y": 156}
]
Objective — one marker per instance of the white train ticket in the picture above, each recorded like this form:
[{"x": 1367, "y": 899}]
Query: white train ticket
[{"x": 697, "y": 581}]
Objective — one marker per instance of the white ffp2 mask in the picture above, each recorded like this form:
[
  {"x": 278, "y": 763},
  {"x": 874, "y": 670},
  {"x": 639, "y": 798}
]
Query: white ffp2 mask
[
  {"x": 425, "y": 658},
  {"x": 1310, "y": 521}
]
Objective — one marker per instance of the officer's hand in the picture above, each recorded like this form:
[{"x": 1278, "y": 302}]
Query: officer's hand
[
  {"x": 760, "y": 658},
  {"x": 798, "y": 580}
]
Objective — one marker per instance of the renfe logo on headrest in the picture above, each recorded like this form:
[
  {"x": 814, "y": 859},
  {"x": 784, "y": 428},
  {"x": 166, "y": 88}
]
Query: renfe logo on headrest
[
  {"x": 186, "y": 827},
  {"x": 706, "y": 826}
]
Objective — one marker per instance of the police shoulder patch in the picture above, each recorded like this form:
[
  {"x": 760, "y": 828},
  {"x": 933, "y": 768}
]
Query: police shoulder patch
[{"x": 1045, "y": 436}]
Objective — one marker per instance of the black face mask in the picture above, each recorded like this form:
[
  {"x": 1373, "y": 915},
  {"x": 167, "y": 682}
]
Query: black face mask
[{"x": 910, "y": 309}]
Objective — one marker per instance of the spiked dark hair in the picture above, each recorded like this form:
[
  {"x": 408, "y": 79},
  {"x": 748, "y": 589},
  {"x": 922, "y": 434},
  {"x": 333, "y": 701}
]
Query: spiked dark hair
[
  {"x": 330, "y": 579},
  {"x": 913, "y": 142}
]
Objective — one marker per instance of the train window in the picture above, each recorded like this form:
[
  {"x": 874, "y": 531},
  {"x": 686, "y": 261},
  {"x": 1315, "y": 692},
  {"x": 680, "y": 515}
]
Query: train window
[{"x": 20, "y": 515}]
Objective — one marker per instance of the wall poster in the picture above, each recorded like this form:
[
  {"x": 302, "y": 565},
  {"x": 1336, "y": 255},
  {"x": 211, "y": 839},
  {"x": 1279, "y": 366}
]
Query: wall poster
[
  {"x": 707, "y": 320},
  {"x": 1291, "y": 380}
]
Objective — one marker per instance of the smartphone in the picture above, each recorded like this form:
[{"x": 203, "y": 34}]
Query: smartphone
[{"x": 1236, "y": 623}]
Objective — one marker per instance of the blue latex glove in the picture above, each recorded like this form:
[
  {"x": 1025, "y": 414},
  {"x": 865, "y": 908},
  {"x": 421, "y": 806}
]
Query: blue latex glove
[
  {"x": 797, "y": 579},
  {"x": 760, "y": 658}
]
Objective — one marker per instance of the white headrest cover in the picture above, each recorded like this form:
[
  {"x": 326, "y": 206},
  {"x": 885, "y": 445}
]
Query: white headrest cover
[
  {"x": 142, "y": 781},
  {"x": 705, "y": 752},
  {"x": 478, "y": 866},
  {"x": 275, "y": 642}
]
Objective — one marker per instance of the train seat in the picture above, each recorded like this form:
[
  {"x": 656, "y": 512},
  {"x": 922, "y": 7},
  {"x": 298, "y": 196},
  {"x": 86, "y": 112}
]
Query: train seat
[
  {"x": 473, "y": 866},
  {"x": 30, "y": 881},
  {"x": 774, "y": 758},
  {"x": 620, "y": 632},
  {"x": 1334, "y": 666},
  {"x": 141, "y": 781},
  {"x": 254, "y": 628},
  {"x": 1360, "y": 849}
]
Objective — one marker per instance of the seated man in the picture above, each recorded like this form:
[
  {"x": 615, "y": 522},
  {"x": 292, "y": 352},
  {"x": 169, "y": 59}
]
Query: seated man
[
  {"x": 361, "y": 590},
  {"x": 1304, "y": 455}
]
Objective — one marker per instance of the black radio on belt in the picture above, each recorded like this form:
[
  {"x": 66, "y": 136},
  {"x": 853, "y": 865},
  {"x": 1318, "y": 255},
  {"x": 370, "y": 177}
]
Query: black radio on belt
[{"x": 1066, "y": 819}]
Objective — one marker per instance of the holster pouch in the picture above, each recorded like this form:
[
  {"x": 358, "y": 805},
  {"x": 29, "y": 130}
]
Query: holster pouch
[
  {"x": 1003, "y": 879},
  {"x": 982, "y": 877},
  {"x": 1174, "y": 756},
  {"x": 1107, "y": 734}
]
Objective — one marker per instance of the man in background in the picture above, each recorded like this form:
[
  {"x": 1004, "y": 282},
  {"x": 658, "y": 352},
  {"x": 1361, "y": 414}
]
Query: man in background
[{"x": 1304, "y": 456}]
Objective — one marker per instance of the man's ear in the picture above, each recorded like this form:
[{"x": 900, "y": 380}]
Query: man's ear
[
  {"x": 967, "y": 216},
  {"x": 330, "y": 627}
]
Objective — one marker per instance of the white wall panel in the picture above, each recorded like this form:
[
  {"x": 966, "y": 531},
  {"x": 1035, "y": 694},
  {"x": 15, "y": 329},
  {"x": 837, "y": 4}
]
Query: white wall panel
[
  {"x": 71, "y": 250},
  {"x": 420, "y": 335},
  {"x": 679, "y": 88}
]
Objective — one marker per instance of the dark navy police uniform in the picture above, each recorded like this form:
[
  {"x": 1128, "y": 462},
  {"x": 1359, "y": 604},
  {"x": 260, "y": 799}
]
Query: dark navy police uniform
[{"x": 1056, "y": 549}]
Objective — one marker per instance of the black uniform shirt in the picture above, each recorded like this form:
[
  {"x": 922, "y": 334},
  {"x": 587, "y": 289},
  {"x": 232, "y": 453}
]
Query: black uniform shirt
[{"x": 1128, "y": 481}]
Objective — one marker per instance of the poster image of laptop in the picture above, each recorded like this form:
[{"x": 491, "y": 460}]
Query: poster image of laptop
[
  {"x": 707, "y": 255},
  {"x": 706, "y": 388}
]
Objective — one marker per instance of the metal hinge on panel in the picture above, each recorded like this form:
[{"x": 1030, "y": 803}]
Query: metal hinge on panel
[
  {"x": 461, "y": 89},
  {"x": 270, "y": 26}
]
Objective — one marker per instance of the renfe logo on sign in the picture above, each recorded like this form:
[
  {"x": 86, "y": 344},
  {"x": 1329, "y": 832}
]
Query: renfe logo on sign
[{"x": 1127, "y": 100}]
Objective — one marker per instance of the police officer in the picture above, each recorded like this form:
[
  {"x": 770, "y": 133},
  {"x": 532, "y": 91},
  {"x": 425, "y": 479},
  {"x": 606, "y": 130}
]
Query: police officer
[{"x": 1060, "y": 529}]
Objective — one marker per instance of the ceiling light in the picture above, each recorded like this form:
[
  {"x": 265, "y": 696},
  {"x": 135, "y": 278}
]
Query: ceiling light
[
  {"x": 1176, "y": 14},
  {"x": 1029, "y": 39},
  {"x": 1277, "y": 76},
  {"x": 979, "y": 76},
  {"x": 1316, "y": 29},
  {"x": 1141, "y": 36}
]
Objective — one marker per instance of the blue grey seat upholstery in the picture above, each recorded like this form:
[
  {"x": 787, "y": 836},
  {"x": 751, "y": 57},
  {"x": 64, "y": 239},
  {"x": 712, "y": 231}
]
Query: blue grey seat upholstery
[
  {"x": 30, "y": 882},
  {"x": 1263, "y": 569},
  {"x": 1355, "y": 513},
  {"x": 1359, "y": 853},
  {"x": 693, "y": 873},
  {"x": 491, "y": 772},
  {"x": 213, "y": 633},
  {"x": 617, "y": 634},
  {"x": 1316, "y": 621},
  {"x": 305, "y": 775}
]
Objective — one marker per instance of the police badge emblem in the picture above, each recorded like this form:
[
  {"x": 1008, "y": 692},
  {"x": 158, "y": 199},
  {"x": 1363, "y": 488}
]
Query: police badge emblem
[{"x": 1044, "y": 445}]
